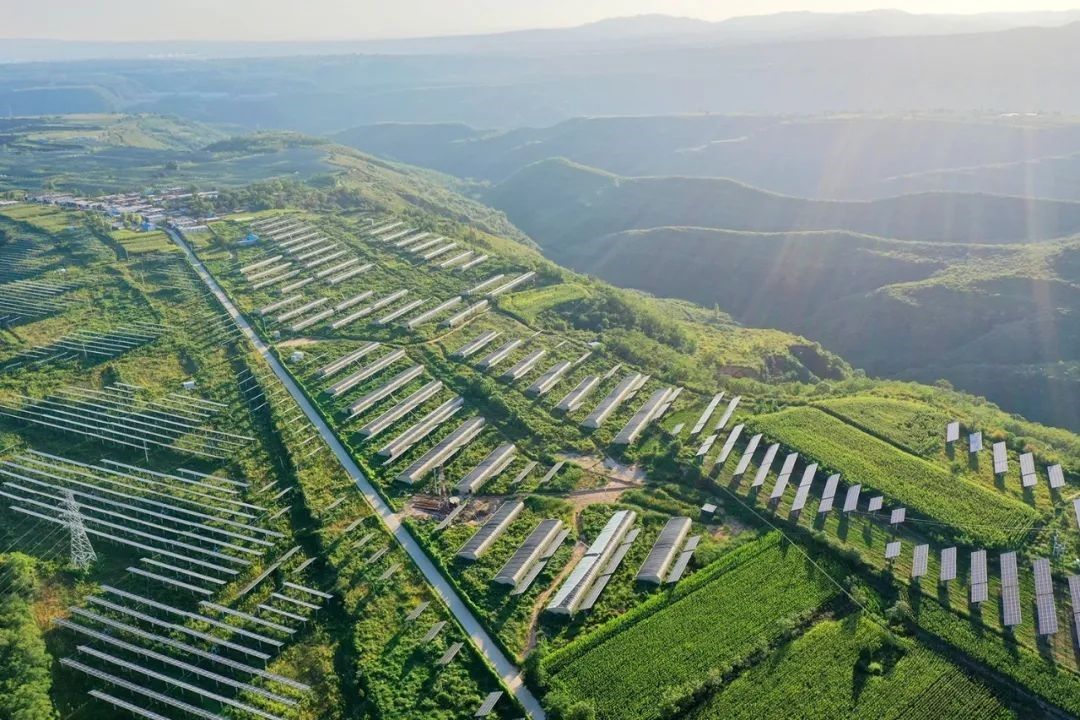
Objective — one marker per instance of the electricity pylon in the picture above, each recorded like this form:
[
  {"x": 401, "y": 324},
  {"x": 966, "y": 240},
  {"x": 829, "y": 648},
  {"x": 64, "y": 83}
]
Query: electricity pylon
[{"x": 82, "y": 552}]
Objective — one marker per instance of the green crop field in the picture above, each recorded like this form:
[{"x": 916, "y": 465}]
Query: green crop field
[
  {"x": 963, "y": 509},
  {"x": 735, "y": 609},
  {"x": 852, "y": 669}
]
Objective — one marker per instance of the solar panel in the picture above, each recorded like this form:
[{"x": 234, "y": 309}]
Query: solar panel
[
  {"x": 1057, "y": 476},
  {"x": 1046, "y": 611},
  {"x": 898, "y": 516},
  {"x": 978, "y": 567},
  {"x": 450, "y": 654},
  {"x": 706, "y": 445},
  {"x": 1009, "y": 575},
  {"x": 1027, "y": 470},
  {"x": 952, "y": 432},
  {"x": 1076, "y": 510},
  {"x": 747, "y": 456},
  {"x": 892, "y": 550},
  {"x": 875, "y": 503},
  {"x": 800, "y": 498},
  {"x": 948, "y": 564},
  {"x": 729, "y": 444},
  {"x": 851, "y": 501},
  {"x": 975, "y": 443},
  {"x": 489, "y": 704},
  {"x": 918, "y": 562},
  {"x": 1001, "y": 458},
  {"x": 706, "y": 414},
  {"x": 766, "y": 465},
  {"x": 828, "y": 494},
  {"x": 1010, "y": 605},
  {"x": 1044, "y": 583}
]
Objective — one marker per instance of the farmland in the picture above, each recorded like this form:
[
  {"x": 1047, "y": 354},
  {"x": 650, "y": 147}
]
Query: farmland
[
  {"x": 923, "y": 487},
  {"x": 737, "y": 608},
  {"x": 852, "y": 668}
]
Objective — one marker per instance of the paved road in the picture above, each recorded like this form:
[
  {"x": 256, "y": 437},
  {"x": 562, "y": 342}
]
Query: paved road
[{"x": 509, "y": 672}]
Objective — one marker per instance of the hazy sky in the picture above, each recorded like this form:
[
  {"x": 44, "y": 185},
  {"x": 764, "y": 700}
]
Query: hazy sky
[{"x": 354, "y": 19}]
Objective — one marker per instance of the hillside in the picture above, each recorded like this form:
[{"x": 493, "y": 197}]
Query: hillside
[
  {"x": 561, "y": 204},
  {"x": 358, "y": 567},
  {"x": 968, "y": 310},
  {"x": 842, "y": 157}
]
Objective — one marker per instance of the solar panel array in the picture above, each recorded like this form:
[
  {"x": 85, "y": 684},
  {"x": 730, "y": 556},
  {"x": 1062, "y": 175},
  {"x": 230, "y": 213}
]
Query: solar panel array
[
  {"x": 1046, "y": 610},
  {"x": 784, "y": 476},
  {"x": 732, "y": 404},
  {"x": 1057, "y": 477},
  {"x": 495, "y": 462},
  {"x": 648, "y": 412},
  {"x": 120, "y": 414},
  {"x": 575, "y": 591},
  {"x": 26, "y": 300},
  {"x": 875, "y": 503},
  {"x": 87, "y": 346},
  {"x": 1074, "y": 596},
  {"x": 614, "y": 399},
  {"x": 491, "y": 530},
  {"x": 663, "y": 551},
  {"x": 529, "y": 559},
  {"x": 975, "y": 442},
  {"x": 706, "y": 414},
  {"x": 747, "y": 456},
  {"x": 898, "y": 516},
  {"x": 197, "y": 534},
  {"x": 892, "y": 550}
]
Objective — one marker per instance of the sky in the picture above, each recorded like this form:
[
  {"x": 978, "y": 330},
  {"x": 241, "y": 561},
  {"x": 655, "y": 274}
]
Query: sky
[{"x": 150, "y": 20}]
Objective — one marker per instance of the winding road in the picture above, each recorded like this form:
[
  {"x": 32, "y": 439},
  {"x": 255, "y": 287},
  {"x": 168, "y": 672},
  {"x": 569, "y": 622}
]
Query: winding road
[{"x": 507, "y": 670}]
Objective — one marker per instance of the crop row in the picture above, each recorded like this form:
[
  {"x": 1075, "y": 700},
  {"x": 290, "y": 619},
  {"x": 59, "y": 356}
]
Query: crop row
[
  {"x": 852, "y": 669},
  {"x": 764, "y": 593}
]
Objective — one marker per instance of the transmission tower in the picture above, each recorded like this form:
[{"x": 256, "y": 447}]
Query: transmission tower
[{"x": 82, "y": 552}]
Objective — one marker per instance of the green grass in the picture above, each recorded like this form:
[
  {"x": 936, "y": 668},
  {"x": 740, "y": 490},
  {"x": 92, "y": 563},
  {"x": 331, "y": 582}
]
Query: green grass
[
  {"x": 967, "y": 511},
  {"x": 852, "y": 670},
  {"x": 714, "y": 622},
  {"x": 529, "y": 304},
  {"x": 916, "y": 427}
]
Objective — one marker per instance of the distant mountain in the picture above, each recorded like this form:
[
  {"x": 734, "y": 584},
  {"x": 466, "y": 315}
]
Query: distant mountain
[
  {"x": 839, "y": 157},
  {"x": 1014, "y": 71},
  {"x": 607, "y": 35}
]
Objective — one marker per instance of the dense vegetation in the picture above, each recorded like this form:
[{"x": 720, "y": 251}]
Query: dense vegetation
[{"x": 25, "y": 665}]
